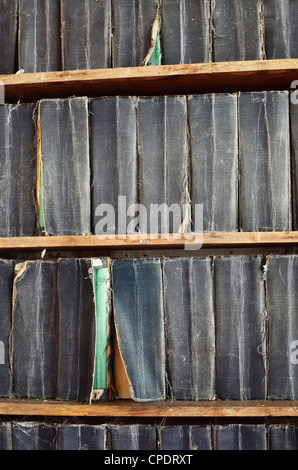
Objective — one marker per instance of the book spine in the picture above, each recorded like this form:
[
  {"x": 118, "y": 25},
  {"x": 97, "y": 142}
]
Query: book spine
[
  {"x": 213, "y": 131},
  {"x": 174, "y": 437},
  {"x": 6, "y": 286},
  {"x": 282, "y": 303},
  {"x": 33, "y": 436},
  {"x": 113, "y": 148},
  {"x": 131, "y": 437},
  {"x": 283, "y": 437},
  {"x": 185, "y": 31},
  {"x": 265, "y": 193},
  {"x": 200, "y": 437},
  {"x": 240, "y": 437},
  {"x": 64, "y": 167},
  {"x": 139, "y": 323},
  {"x": 236, "y": 30},
  {"x": 240, "y": 328},
  {"x": 189, "y": 320},
  {"x": 39, "y": 36},
  {"x": 6, "y": 436},
  {"x": 294, "y": 159},
  {"x": 34, "y": 330},
  {"x": 86, "y": 34},
  {"x": 8, "y": 36},
  {"x": 81, "y": 437}
]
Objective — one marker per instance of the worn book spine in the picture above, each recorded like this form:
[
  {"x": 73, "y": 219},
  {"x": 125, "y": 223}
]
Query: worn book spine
[
  {"x": 86, "y": 34},
  {"x": 81, "y": 437},
  {"x": 113, "y": 154},
  {"x": 280, "y": 29},
  {"x": 264, "y": 161},
  {"x": 5, "y": 436},
  {"x": 282, "y": 303},
  {"x": 131, "y": 437},
  {"x": 63, "y": 169},
  {"x": 6, "y": 287},
  {"x": 190, "y": 328},
  {"x": 283, "y": 437},
  {"x": 8, "y": 36},
  {"x": 214, "y": 160},
  {"x": 163, "y": 164},
  {"x": 39, "y": 46},
  {"x": 294, "y": 157},
  {"x": 17, "y": 170},
  {"x": 185, "y": 31},
  {"x": 240, "y": 328},
  {"x": 139, "y": 324},
  {"x": 200, "y": 437},
  {"x": 34, "y": 330},
  {"x": 135, "y": 32},
  {"x": 174, "y": 437},
  {"x": 236, "y": 30},
  {"x": 33, "y": 436},
  {"x": 240, "y": 437},
  {"x": 77, "y": 330}
]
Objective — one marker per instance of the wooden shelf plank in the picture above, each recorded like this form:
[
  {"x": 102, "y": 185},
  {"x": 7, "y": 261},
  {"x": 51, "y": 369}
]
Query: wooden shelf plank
[
  {"x": 207, "y": 239},
  {"x": 165, "y": 79},
  {"x": 161, "y": 409}
]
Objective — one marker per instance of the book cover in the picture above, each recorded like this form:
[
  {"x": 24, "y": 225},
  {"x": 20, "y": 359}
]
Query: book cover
[
  {"x": 264, "y": 162},
  {"x": 240, "y": 327},
  {"x": 189, "y": 328},
  {"x": 213, "y": 128},
  {"x": 81, "y": 437},
  {"x": 240, "y": 437},
  {"x": 39, "y": 45},
  {"x": 6, "y": 287},
  {"x": 185, "y": 33},
  {"x": 63, "y": 167},
  {"x": 131, "y": 437},
  {"x": 283, "y": 437},
  {"x": 174, "y": 437},
  {"x": 33, "y": 436},
  {"x": 17, "y": 170},
  {"x": 8, "y": 36},
  {"x": 86, "y": 34}
]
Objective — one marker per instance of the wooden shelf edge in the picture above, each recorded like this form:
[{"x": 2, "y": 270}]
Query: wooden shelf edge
[
  {"x": 122, "y": 408},
  {"x": 164, "y": 79},
  {"x": 197, "y": 241}
]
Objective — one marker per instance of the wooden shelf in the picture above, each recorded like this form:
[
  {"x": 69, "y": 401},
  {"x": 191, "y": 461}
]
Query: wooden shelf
[
  {"x": 151, "y": 80},
  {"x": 207, "y": 239},
  {"x": 123, "y": 408}
]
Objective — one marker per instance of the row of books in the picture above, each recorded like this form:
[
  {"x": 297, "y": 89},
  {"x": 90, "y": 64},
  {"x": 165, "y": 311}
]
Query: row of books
[
  {"x": 195, "y": 328},
  {"x": 58, "y": 35},
  {"x": 34, "y": 435},
  {"x": 147, "y": 164}
]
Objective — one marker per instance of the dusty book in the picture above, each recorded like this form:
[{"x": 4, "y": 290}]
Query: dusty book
[
  {"x": 81, "y": 437},
  {"x": 6, "y": 287},
  {"x": 240, "y": 437},
  {"x": 131, "y": 437},
  {"x": 30, "y": 435},
  {"x": 8, "y": 36}
]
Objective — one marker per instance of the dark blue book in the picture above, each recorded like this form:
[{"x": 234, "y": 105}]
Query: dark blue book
[
  {"x": 33, "y": 436},
  {"x": 6, "y": 436},
  {"x": 283, "y": 437},
  {"x": 241, "y": 437},
  {"x": 81, "y": 437},
  {"x": 9, "y": 36},
  {"x": 6, "y": 294},
  {"x": 132, "y": 437}
]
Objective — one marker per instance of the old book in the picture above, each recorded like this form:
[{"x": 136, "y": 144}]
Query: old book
[
  {"x": 174, "y": 437},
  {"x": 63, "y": 170},
  {"x": 135, "y": 32},
  {"x": 163, "y": 164},
  {"x": 34, "y": 330},
  {"x": 189, "y": 328},
  {"x": 280, "y": 29},
  {"x": 6, "y": 436},
  {"x": 240, "y": 327},
  {"x": 139, "y": 324},
  {"x": 200, "y": 437},
  {"x": 282, "y": 302},
  {"x": 85, "y": 34},
  {"x": 185, "y": 31},
  {"x": 17, "y": 170},
  {"x": 39, "y": 45},
  {"x": 236, "y": 30},
  {"x": 240, "y": 437},
  {"x": 294, "y": 158},
  {"x": 6, "y": 286},
  {"x": 283, "y": 437},
  {"x": 113, "y": 154},
  {"x": 131, "y": 437},
  {"x": 214, "y": 160},
  {"x": 33, "y": 436},
  {"x": 265, "y": 186},
  {"x": 81, "y": 437},
  {"x": 8, "y": 36}
]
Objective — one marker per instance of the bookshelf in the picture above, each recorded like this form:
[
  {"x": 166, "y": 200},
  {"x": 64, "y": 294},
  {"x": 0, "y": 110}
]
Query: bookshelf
[{"x": 176, "y": 79}]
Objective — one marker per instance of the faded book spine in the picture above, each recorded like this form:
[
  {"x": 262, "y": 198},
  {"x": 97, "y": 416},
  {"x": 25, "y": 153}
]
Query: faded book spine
[
  {"x": 240, "y": 437},
  {"x": 185, "y": 35},
  {"x": 113, "y": 154},
  {"x": 174, "y": 437},
  {"x": 236, "y": 29},
  {"x": 240, "y": 328},
  {"x": 34, "y": 330},
  {"x": 213, "y": 124},
  {"x": 282, "y": 303},
  {"x": 163, "y": 164},
  {"x": 17, "y": 170},
  {"x": 33, "y": 436},
  {"x": 135, "y": 31},
  {"x": 6, "y": 287},
  {"x": 200, "y": 437},
  {"x": 39, "y": 36},
  {"x": 63, "y": 173},
  {"x": 131, "y": 437},
  {"x": 264, "y": 161},
  {"x": 81, "y": 437},
  {"x": 139, "y": 324},
  {"x": 190, "y": 328},
  {"x": 8, "y": 36},
  {"x": 6, "y": 436},
  {"x": 294, "y": 158},
  {"x": 283, "y": 437},
  {"x": 85, "y": 34}
]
